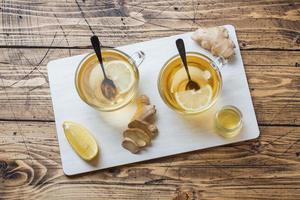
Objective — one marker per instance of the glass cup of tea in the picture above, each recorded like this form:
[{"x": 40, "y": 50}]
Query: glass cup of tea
[
  {"x": 121, "y": 68},
  {"x": 173, "y": 79}
]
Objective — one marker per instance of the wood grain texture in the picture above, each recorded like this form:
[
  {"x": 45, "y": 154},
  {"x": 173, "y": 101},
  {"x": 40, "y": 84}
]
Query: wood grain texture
[
  {"x": 34, "y": 32},
  {"x": 34, "y": 170},
  {"x": 260, "y": 24}
]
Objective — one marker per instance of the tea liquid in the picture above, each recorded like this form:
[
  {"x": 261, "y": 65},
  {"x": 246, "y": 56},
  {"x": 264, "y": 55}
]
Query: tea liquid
[
  {"x": 118, "y": 68},
  {"x": 173, "y": 79}
]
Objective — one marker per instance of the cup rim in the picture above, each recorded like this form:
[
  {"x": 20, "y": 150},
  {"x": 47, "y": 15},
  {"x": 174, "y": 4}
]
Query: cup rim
[
  {"x": 84, "y": 59},
  {"x": 214, "y": 65}
]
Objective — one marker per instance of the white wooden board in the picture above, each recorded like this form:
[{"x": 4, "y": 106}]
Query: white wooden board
[{"x": 177, "y": 133}]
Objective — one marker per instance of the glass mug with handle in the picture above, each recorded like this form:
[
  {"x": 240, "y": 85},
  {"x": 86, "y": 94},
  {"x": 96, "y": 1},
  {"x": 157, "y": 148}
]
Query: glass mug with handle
[
  {"x": 173, "y": 79},
  {"x": 121, "y": 68}
]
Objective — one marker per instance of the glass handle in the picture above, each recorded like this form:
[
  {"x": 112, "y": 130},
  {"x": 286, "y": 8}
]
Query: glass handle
[
  {"x": 221, "y": 62},
  {"x": 138, "y": 57}
]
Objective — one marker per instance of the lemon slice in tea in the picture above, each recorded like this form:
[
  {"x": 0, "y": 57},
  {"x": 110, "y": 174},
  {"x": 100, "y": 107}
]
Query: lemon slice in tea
[
  {"x": 121, "y": 74},
  {"x": 81, "y": 140},
  {"x": 194, "y": 100}
]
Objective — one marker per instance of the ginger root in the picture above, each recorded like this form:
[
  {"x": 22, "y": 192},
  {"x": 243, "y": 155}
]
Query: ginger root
[
  {"x": 141, "y": 129},
  {"x": 150, "y": 129},
  {"x": 138, "y": 135},
  {"x": 145, "y": 111},
  {"x": 130, "y": 145},
  {"x": 216, "y": 40}
]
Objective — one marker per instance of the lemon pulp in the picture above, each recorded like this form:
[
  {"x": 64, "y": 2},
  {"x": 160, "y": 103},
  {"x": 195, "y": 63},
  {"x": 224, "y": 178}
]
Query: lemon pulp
[
  {"x": 192, "y": 100},
  {"x": 81, "y": 140},
  {"x": 121, "y": 74}
]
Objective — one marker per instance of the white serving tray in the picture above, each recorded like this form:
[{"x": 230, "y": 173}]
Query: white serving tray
[{"x": 177, "y": 133}]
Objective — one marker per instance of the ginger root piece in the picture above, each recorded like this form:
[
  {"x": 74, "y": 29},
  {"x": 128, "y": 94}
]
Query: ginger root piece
[
  {"x": 138, "y": 135},
  {"x": 153, "y": 129},
  {"x": 130, "y": 145},
  {"x": 145, "y": 111},
  {"x": 148, "y": 128},
  {"x": 216, "y": 40},
  {"x": 141, "y": 129}
]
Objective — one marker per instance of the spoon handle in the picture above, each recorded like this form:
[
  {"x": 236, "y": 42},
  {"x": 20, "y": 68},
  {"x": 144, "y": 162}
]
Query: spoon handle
[
  {"x": 182, "y": 53},
  {"x": 96, "y": 45}
]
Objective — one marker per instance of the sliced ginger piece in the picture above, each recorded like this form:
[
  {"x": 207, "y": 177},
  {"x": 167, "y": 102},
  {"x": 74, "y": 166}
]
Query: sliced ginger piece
[
  {"x": 140, "y": 129},
  {"x": 150, "y": 129},
  {"x": 139, "y": 136},
  {"x": 145, "y": 111},
  {"x": 216, "y": 40},
  {"x": 130, "y": 145},
  {"x": 153, "y": 129}
]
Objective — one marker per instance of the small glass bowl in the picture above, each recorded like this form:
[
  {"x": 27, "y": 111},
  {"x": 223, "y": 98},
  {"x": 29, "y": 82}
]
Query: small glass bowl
[{"x": 229, "y": 121}]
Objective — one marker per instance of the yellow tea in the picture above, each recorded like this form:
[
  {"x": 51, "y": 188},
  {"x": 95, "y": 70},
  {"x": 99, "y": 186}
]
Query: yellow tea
[
  {"x": 173, "y": 80},
  {"x": 119, "y": 68}
]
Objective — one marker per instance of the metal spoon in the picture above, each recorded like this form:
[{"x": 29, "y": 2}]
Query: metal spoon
[
  {"x": 191, "y": 85},
  {"x": 108, "y": 88}
]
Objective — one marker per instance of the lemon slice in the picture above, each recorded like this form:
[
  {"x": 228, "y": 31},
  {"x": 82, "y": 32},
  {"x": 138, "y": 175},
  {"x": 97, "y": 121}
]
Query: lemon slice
[
  {"x": 121, "y": 74},
  {"x": 81, "y": 140},
  {"x": 194, "y": 100}
]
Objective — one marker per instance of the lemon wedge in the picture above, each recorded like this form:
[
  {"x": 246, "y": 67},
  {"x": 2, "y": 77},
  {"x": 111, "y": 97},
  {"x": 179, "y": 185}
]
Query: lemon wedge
[
  {"x": 121, "y": 73},
  {"x": 81, "y": 140},
  {"x": 194, "y": 100}
]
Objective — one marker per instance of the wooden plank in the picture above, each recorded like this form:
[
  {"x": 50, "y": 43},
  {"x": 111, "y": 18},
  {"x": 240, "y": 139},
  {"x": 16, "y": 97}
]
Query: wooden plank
[
  {"x": 273, "y": 79},
  {"x": 33, "y": 170},
  {"x": 260, "y": 24}
]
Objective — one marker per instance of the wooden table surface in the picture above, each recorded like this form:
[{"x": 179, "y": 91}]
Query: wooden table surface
[{"x": 33, "y": 32}]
